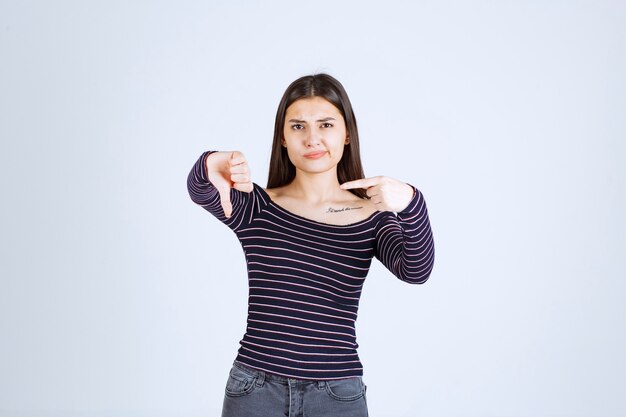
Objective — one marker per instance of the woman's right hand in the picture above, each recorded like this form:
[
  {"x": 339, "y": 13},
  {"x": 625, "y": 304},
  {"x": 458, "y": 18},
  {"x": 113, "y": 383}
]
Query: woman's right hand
[{"x": 228, "y": 170}]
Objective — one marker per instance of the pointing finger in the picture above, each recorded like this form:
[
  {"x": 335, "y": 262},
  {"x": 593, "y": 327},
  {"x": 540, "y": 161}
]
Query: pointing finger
[{"x": 362, "y": 183}]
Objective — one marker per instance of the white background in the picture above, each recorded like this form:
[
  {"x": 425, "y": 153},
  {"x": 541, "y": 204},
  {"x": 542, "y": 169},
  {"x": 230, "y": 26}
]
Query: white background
[{"x": 120, "y": 297}]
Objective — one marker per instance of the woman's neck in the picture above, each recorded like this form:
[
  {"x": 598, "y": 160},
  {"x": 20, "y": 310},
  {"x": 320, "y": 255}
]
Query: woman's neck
[{"x": 315, "y": 188}]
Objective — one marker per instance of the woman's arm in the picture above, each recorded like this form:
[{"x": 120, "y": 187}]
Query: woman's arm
[
  {"x": 404, "y": 242},
  {"x": 220, "y": 183}
]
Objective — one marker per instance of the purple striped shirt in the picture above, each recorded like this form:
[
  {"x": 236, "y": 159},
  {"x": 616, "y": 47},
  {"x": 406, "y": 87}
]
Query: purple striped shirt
[{"x": 305, "y": 277}]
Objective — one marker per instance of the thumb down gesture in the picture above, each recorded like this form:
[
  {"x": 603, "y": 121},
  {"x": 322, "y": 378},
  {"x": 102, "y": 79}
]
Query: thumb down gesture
[{"x": 228, "y": 170}]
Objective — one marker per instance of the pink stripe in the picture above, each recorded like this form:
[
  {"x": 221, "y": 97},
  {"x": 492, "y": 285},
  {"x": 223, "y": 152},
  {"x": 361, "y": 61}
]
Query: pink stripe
[
  {"x": 300, "y": 369},
  {"x": 351, "y": 320},
  {"x": 340, "y": 244},
  {"x": 300, "y": 327},
  {"x": 307, "y": 249},
  {"x": 295, "y": 360},
  {"x": 316, "y": 232},
  {"x": 247, "y": 342},
  {"x": 295, "y": 343},
  {"x": 311, "y": 288},
  {"x": 315, "y": 266},
  {"x": 304, "y": 278},
  {"x": 257, "y": 312},
  {"x": 296, "y": 302}
]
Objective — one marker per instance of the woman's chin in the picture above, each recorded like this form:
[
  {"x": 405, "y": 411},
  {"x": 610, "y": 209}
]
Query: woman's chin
[{"x": 315, "y": 168}]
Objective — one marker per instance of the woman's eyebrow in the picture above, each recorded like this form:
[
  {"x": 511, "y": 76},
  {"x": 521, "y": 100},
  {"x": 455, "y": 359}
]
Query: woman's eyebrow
[{"x": 325, "y": 119}]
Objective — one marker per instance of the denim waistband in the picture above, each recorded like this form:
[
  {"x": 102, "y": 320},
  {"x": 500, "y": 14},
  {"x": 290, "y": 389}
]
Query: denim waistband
[{"x": 274, "y": 377}]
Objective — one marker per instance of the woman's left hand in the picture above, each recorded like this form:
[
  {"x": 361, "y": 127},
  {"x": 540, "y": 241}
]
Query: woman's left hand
[{"x": 387, "y": 193}]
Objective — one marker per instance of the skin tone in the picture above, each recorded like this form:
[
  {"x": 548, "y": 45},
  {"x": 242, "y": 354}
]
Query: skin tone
[{"x": 315, "y": 136}]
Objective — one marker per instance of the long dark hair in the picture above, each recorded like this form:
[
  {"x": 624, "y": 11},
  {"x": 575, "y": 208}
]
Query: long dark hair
[{"x": 282, "y": 171}]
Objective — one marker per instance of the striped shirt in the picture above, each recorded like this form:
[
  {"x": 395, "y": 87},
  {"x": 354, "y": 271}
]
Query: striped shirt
[{"x": 305, "y": 277}]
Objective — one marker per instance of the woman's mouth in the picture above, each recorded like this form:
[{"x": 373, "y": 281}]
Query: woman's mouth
[{"x": 315, "y": 155}]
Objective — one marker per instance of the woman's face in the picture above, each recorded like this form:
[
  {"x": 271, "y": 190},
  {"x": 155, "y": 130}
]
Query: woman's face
[{"x": 314, "y": 134}]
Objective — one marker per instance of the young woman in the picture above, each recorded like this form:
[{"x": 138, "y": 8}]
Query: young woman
[{"x": 309, "y": 239}]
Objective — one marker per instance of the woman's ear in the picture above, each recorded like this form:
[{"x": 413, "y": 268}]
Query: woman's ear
[{"x": 347, "y": 139}]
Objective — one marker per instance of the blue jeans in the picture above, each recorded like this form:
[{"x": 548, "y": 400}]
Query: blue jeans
[{"x": 252, "y": 393}]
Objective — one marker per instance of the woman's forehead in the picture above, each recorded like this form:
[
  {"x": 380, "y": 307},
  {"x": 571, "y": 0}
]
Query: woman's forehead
[{"x": 312, "y": 108}]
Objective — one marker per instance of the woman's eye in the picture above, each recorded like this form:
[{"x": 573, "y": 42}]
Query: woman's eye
[
  {"x": 327, "y": 125},
  {"x": 297, "y": 127}
]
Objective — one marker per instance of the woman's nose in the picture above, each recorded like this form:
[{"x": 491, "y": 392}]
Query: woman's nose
[{"x": 313, "y": 138}]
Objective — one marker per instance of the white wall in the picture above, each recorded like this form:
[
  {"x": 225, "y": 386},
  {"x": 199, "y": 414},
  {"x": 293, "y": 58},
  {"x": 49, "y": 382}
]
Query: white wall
[{"x": 120, "y": 297}]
